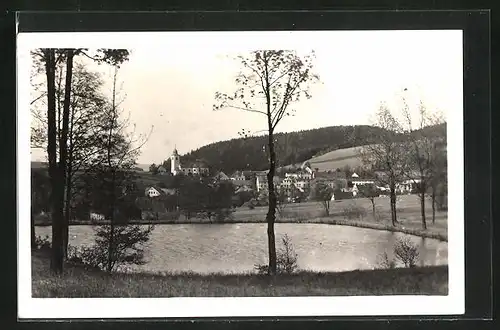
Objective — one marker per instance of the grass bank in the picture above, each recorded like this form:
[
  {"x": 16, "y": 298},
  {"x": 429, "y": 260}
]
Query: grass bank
[
  {"x": 80, "y": 282},
  {"x": 409, "y": 227},
  {"x": 429, "y": 233}
]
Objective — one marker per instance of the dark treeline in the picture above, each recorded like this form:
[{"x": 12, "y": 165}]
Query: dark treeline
[{"x": 250, "y": 153}]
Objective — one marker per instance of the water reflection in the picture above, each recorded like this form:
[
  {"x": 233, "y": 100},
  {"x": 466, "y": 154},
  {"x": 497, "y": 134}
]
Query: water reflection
[{"x": 238, "y": 247}]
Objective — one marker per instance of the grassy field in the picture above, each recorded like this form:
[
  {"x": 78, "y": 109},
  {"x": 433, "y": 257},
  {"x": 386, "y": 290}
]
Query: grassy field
[
  {"x": 82, "y": 283},
  {"x": 408, "y": 208},
  {"x": 337, "y": 159},
  {"x": 312, "y": 212}
]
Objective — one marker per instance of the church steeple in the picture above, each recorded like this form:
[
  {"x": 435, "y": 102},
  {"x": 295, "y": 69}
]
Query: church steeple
[{"x": 175, "y": 162}]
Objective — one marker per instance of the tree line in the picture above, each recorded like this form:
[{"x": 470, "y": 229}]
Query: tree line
[
  {"x": 250, "y": 152},
  {"x": 89, "y": 145}
]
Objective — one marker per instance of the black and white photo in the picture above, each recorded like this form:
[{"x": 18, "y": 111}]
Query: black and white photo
[{"x": 259, "y": 173}]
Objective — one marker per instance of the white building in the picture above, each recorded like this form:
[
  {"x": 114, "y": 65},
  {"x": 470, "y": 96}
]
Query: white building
[
  {"x": 238, "y": 176},
  {"x": 195, "y": 169},
  {"x": 261, "y": 182}
]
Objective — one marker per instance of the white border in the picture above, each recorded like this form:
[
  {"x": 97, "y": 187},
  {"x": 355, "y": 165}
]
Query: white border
[{"x": 46, "y": 308}]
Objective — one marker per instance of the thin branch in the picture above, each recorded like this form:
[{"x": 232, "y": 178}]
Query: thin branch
[{"x": 246, "y": 109}]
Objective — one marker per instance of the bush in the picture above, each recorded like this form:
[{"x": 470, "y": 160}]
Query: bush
[
  {"x": 222, "y": 215},
  {"x": 286, "y": 259},
  {"x": 353, "y": 211},
  {"x": 406, "y": 251},
  {"x": 385, "y": 262},
  {"x": 42, "y": 243},
  {"x": 126, "y": 247}
]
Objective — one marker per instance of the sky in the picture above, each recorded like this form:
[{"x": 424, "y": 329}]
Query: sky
[{"x": 170, "y": 80}]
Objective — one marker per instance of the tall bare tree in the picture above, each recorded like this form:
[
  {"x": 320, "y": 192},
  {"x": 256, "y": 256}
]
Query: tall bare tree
[
  {"x": 58, "y": 131},
  {"x": 421, "y": 149},
  {"x": 269, "y": 81},
  {"x": 386, "y": 154}
]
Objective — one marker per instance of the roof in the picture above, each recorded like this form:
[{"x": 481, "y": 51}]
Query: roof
[
  {"x": 237, "y": 173},
  {"x": 196, "y": 164},
  {"x": 162, "y": 191},
  {"x": 221, "y": 175}
]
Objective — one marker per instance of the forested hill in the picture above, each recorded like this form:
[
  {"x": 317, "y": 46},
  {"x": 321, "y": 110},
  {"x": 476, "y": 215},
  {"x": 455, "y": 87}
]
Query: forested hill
[{"x": 291, "y": 148}]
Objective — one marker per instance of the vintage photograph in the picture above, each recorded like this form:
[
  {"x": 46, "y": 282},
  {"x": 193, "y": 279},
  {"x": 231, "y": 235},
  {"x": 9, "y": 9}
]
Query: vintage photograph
[{"x": 225, "y": 164}]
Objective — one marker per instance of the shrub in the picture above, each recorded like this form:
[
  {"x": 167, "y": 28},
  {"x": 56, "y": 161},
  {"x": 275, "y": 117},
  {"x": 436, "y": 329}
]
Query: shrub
[
  {"x": 286, "y": 259},
  {"x": 42, "y": 243},
  {"x": 385, "y": 262},
  {"x": 222, "y": 215},
  {"x": 126, "y": 247},
  {"x": 353, "y": 211},
  {"x": 406, "y": 251}
]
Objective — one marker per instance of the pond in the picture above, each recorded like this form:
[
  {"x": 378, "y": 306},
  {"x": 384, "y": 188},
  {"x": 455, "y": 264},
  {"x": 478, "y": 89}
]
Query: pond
[{"x": 207, "y": 248}]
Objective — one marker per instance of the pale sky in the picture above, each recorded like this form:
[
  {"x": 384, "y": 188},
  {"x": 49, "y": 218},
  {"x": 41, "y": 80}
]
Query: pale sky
[{"x": 170, "y": 80}]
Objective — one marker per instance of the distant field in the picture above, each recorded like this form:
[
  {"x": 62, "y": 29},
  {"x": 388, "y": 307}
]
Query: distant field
[
  {"x": 408, "y": 210},
  {"x": 337, "y": 159}
]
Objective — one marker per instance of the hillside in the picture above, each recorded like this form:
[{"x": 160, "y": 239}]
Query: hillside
[
  {"x": 291, "y": 148},
  {"x": 337, "y": 159}
]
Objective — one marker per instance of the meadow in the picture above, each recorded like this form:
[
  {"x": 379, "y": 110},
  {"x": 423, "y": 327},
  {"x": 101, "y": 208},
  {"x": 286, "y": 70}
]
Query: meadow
[
  {"x": 408, "y": 211},
  {"x": 79, "y": 282}
]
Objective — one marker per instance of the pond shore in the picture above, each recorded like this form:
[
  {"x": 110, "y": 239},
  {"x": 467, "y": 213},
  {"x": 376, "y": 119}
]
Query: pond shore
[
  {"x": 82, "y": 283},
  {"x": 406, "y": 227}
]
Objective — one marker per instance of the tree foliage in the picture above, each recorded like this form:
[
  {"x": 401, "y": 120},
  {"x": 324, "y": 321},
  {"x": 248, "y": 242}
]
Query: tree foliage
[
  {"x": 58, "y": 131},
  {"x": 322, "y": 193},
  {"x": 270, "y": 81},
  {"x": 370, "y": 191},
  {"x": 387, "y": 154},
  {"x": 424, "y": 152},
  {"x": 246, "y": 153}
]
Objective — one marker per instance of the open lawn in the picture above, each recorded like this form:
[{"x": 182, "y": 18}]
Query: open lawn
[
  {"x": 82, "y": 283},
  {"x": 408, "y": 208}
]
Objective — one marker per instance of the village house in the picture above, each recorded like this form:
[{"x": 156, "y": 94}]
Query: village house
[
  {"x": 409, "y": 185},
  {"x": 300, "y": 175},
  {"x": 152, "y": 192},
  {"x": 221, "y": 176},
  {"x": 261, "y": 182},
  {"x": 162, "y": 170},
  {"x": 238, "y": 176},
  {"x": 357, "y": 181}
]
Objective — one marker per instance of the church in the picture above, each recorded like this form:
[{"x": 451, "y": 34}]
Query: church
[{"x": 196, "y": 168}]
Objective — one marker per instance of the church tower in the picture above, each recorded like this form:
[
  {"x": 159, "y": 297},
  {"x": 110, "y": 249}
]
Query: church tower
[{"x": 175, "y": 163}]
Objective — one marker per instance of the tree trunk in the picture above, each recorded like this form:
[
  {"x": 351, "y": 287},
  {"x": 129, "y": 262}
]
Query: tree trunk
[
  {"x": 67, "y": 215},
  {"x": 33, "y": 233},
  {"x": 373, "y": 209},
  {"x": 271, "y": 213},
  {"x": 63, "y": 146},
  {"x": 393, "y": 205},
  {"x": 57, "y": 185},
  {"x": 111, "y": 225},
  {"x": 433, "y": 196},
  {"x": 327, "y": 208},
  {"x": 422, "y": 210}
]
